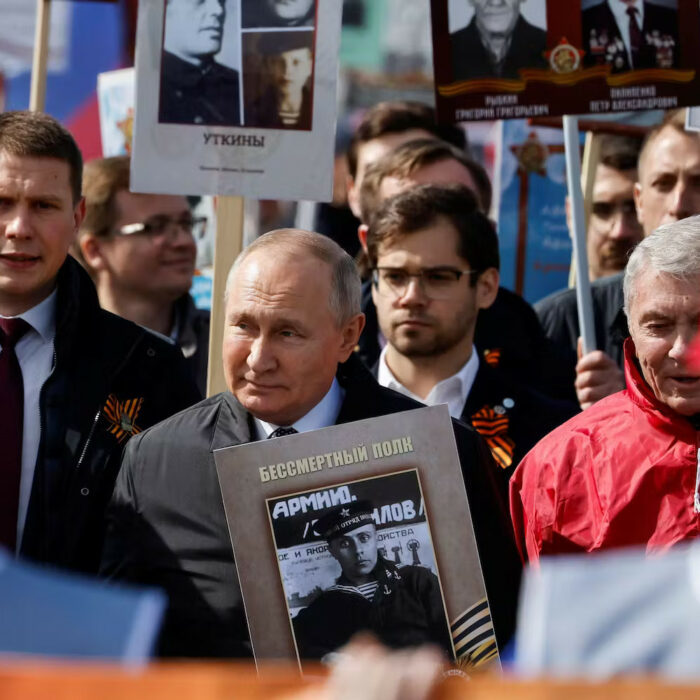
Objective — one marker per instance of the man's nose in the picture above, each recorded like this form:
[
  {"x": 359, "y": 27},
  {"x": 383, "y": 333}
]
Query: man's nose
[
  {"x": 260, "y": 356},
  {"x": 625, "y": 225},
  {"x": 17, "y": 224},
  {"x": 414, "y": 294},
  {"x": 215, "y": 7},
  {"x": 680, "y": 206},
  {"x": 683, "y": 338}
]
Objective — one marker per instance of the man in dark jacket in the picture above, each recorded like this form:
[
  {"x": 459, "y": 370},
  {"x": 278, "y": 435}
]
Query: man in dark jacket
[
  {"x": 140, "y": 250},
  {"x": 194, "y": 88},
  {"x": 76, "y": 381},
  {"x": 630, "y": 35},
  {"x": 293, "y": 320},
  {"x": 508, "y": 334},
  {"x": 435, "y": 260},
  {"x": 497, "y": 42}
]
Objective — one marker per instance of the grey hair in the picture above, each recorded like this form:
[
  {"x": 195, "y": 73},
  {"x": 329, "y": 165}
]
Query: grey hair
[
  {"x": 673, "y": 249},
  {"x": 346, "y": 286}
]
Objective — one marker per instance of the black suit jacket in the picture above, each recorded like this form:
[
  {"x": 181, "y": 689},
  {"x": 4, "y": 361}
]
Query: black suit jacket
[
  {"x": 191, "y": 95},
  {"x": 603, "y": 43},
  {"x": 508, "y": 335},
  {"x": 167, "y": 525},
  {"x": 471, "y": 60}
]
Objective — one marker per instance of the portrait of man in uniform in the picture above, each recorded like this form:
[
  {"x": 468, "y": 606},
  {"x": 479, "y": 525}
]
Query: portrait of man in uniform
[
  {"x": 401, "y": 605},
  {"x": 278, "y": 13},
  {"x": 497, "y": 41},
  {"x": 195, "y": 88},
  {"x": 630, "y": 34}
]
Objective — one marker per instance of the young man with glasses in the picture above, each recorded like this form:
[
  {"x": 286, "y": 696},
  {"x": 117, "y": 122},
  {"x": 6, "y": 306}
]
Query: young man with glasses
[
  {"x": 140, "y": 249},
  {"x": 434, "y": 258}
]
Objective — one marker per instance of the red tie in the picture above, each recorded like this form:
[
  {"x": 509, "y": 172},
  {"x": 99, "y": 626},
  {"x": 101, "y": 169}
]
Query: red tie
[
  {"x": 635, "y": 36},
  {"x": 11, "y": 428}
]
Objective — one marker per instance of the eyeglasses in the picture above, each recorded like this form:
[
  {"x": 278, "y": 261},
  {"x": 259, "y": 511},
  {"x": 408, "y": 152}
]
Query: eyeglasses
[
  {"x": 436, "y": 282},
  {"x": 167, "y": 226},
  {"x": 606, "y": 210}
]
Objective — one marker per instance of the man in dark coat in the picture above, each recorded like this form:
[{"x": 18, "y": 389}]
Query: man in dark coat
[
  {"x": 194, "y": 88},
  {"x": 497, "y": 43},
  {"x": 88, "y": 380},
  {"x": 630, "y": 35},
  {"x": 293, "y": 320},
  {"x": 435, "y": 267},
  {"x": 402, "y": 606}
]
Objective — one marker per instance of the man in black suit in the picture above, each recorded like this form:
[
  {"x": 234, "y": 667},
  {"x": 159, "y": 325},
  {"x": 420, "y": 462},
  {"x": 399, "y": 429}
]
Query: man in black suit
[
  {"x": 434, "y": 259},
  {"x": 497, "y": 42},
  {"x": 630, "y": 35},
  {"x": 194, "y": 88},
  {"x": 292, "y": 321}
]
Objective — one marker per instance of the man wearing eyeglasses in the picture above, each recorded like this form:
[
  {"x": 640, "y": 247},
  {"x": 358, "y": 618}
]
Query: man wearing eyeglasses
[
  {"x": 140, "y": 249},
  {"x": 434, "y": 258}
]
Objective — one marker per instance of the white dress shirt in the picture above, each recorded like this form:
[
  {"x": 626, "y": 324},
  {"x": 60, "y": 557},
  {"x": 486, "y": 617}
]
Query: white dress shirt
[
  {"x": 35, "y": 353},
  {"x": 323, "y": 414},
  {"x": 619, "y": 9},
  {"x": 453, "y": 391}
]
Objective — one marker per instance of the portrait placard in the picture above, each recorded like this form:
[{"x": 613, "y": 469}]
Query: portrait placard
[
  {"x": 546, "y": 57},
  {"x": 364, "y": 525},
  {"x": 236, "y": 97}
]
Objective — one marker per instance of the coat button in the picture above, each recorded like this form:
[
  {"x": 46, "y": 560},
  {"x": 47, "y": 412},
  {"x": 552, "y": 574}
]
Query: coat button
[
  {"x": 151, "y": 352},
  {"x": 84, "y": 491}
]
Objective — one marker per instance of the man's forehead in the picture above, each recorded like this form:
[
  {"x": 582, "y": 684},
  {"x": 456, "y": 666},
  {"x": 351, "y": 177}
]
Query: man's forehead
[
  {"x": 664, "y": 294},
  {"x": 50, "y": 172},
  {"x": 660, "y": 153},
  {"x": 607, "y": 178},
  {"x": 143, "y": 206}
]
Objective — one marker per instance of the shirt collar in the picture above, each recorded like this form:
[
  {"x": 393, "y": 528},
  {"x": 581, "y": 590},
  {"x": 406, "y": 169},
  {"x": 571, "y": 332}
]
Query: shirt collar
[
  {"x": 42, "y": 317},
  {"x": 323, "y": 414},
  {"x": 619, "y": 9},
  {"x": 458, "y": 384}
]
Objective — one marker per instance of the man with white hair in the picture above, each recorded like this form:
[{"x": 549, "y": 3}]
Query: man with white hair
[
  {"x": 624, "y": 472},
  {"x": 290, "y": 367}
]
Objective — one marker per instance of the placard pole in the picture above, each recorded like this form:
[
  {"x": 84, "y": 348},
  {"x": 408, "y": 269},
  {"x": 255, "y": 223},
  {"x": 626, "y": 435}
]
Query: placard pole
[
  {"x": 227, "y": 246},
  {"x": 37, "y": 94},
  {"x": 583, "y": 285}
]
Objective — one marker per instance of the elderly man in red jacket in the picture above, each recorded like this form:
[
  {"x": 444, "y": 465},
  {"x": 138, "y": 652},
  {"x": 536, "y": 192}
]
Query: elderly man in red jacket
[{"x": 625, "y": 471}]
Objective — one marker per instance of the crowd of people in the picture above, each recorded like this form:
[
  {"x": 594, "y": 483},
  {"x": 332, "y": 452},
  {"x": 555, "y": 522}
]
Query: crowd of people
[{"x": 107, "y": 461}]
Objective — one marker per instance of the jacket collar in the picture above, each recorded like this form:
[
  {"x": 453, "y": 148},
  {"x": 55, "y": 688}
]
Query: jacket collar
[{"x": 640, "y": 393}]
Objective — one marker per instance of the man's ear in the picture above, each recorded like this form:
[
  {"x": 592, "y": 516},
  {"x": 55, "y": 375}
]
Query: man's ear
[
  {"x": 362, "y": 230},
  {"x": 638, "y": 203},
  {"x": 353, "y": 196},
  {"x": 351, "y": 335},
  {"x": 91, "y": 250},
  {"x": 487, "y": 288}
]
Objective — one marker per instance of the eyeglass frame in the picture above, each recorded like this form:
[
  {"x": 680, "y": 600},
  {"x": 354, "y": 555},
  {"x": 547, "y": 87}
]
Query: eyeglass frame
[
  {"x": 140, "y": 228},
  {"x": 420, "y": 276}
]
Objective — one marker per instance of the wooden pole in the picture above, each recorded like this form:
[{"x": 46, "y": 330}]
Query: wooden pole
[
  {"x": 228, "y": 244},
  {"x": 591, "y": 156},
  {"x": 37, "y": 95}
]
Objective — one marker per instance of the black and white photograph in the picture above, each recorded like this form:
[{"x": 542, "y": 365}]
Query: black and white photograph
[
  {"x": 630, "y": 34},
  {"x": 278, "y": 69},
  {"x": 200, "y": 76},
  {"x": 278, "y": 13},
  {"x": 359, "y": 557},
  {"x": 495, "y": 38}
]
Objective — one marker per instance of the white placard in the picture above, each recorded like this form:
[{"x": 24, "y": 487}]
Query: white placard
[
  {"x": 115, "y": 96},
  {"x": 262, "y": 126}
]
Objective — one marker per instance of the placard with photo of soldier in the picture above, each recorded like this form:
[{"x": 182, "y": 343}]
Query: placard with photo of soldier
[
  {"x": 367, "y": 564},
  {"x": 231, "y": 99},
  {"x": 354, "y": 527}
]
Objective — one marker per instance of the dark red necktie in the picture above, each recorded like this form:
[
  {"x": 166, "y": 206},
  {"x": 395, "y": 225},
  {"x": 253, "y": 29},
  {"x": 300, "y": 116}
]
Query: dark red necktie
[
  {"x": 11, "y": 428},
  {"x": 635, "y": 36}
]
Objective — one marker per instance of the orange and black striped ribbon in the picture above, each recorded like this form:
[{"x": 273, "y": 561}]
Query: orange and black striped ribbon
[
  {"x": 493, "y": 427},
  {"x": 122, "y": 416}
]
